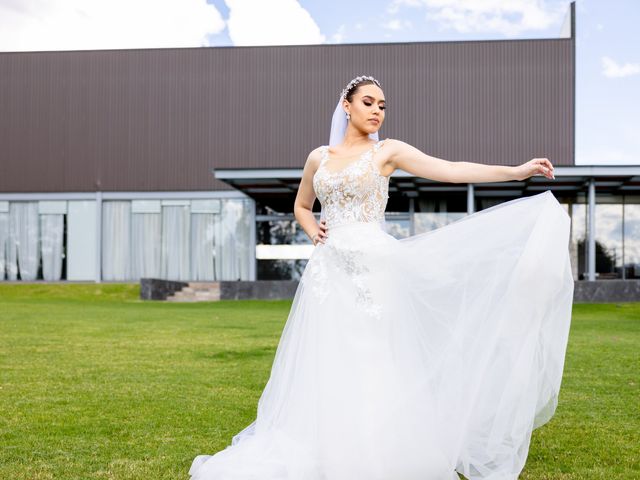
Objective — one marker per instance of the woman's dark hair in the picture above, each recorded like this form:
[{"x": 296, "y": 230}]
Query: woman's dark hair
[{"x": 354, "y": 88}]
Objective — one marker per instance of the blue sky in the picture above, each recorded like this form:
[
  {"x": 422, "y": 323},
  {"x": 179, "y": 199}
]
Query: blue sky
[{"x": 607, "y": 66}]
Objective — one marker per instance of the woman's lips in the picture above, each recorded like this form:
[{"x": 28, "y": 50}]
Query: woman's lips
[{"x": 374, "y": 120}]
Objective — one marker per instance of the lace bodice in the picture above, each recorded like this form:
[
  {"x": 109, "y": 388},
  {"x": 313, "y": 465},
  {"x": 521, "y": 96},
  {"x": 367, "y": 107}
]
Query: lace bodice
[{"x": 355, "y": 193}]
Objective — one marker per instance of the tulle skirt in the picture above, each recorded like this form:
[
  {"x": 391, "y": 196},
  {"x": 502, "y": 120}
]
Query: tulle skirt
[{"x": 417, "y": 358}]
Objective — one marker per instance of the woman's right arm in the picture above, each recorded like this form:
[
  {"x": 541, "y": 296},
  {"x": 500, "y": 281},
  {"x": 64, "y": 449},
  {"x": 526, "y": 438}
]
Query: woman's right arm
[{"x": 303, "y": 205}]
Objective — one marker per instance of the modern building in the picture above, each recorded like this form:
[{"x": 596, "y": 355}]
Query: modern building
[{"x": 183, "y": 163}]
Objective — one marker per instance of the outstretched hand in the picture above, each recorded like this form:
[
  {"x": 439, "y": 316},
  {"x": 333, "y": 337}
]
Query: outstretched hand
[{"x": 535, "y": 166}]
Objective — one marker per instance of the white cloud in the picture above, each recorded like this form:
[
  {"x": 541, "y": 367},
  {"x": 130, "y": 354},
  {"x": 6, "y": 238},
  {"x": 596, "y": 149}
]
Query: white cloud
[
  {"x": 273, "y": 22},
  {"x": 507, "y": 17},
  {"x": 339, "y": 36},
  {"x": 396, "y": 24},
  {"x": 395, "y": 5},
  {"x": 96, "y": 24},
  {"x": 612, "y": 69}
]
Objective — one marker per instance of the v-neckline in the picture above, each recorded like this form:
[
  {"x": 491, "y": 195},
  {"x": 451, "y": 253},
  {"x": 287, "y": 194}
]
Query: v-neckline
[{"x": 348, "y": 165}]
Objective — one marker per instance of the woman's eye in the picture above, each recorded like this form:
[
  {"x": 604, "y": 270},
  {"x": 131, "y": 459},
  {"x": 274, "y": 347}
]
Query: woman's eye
[{"x": 382, "y": 107}]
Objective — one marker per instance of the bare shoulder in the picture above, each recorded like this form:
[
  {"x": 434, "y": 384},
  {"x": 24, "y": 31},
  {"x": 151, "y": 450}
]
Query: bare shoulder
[
  {"x": 314, "y": 157},
  {"x": 391, "y": 147},
  {"x": 393, "y": 144},
  {"x": 396, "y": 149}
]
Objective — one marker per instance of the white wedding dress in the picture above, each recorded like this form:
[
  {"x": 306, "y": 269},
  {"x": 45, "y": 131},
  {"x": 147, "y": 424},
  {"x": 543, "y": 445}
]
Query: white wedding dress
[{"x": 412, "y": 359}]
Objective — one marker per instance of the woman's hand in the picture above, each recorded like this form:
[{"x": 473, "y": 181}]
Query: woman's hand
[
  {"x": 321, "y": 235},
  {"x": 533, "y": 167}
]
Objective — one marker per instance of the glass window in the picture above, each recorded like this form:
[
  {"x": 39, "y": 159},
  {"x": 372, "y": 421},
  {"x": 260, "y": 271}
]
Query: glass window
[
  {"x": 233, "y": 240},
  {"x": 425, "y": 222},
  {"x": 608, "y": 223},
  {"x": 281, "y": 269},
  {"x": 281, "y": 232},
  {"x": 32, "y": 236},
  {"x": 433, "y": 213},
  {"x": 631, "y": 238},
  {"x": 577, "y": 246},
  {"x": 187, "y": 240},
  {"x": 290, "y": 247}
]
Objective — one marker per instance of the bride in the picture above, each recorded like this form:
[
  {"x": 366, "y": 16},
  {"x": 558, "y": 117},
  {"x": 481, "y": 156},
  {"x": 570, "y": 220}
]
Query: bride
[{"x": 413, "y": 359}]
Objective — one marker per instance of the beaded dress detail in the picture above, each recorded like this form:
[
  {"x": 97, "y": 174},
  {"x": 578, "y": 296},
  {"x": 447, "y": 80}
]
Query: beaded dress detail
[{"x": 357, "y": 192}]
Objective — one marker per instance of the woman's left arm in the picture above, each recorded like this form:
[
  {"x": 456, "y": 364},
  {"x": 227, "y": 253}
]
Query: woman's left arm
[{"x": 413, "y": 161}]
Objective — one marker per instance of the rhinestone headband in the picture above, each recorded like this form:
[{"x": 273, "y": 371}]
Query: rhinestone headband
[{"x": 355, "y": 82}]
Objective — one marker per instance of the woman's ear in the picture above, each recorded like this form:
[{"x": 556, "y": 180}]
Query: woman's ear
[{"x": 345, "y": 106}]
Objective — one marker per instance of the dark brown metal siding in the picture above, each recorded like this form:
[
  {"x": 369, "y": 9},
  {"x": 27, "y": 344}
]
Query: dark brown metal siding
[{"x": 162, "y": 119}]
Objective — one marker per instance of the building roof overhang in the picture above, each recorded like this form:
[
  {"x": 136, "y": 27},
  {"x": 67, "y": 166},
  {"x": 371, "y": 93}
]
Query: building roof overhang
[{"x": 271, "y": 183}]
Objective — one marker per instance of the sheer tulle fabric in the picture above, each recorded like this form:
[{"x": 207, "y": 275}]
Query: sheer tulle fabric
[{"x": 415, "y": 358}]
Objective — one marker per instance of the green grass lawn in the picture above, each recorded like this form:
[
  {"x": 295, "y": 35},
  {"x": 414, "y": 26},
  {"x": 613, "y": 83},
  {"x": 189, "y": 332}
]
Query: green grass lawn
[{"x": 97, "y": 384}]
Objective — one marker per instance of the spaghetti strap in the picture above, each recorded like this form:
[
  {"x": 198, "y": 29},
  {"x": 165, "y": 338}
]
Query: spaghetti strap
[{"x": 324, "y": 154}]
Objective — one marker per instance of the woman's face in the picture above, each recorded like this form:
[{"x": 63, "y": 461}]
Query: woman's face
[{"x": 366, "y": 108}]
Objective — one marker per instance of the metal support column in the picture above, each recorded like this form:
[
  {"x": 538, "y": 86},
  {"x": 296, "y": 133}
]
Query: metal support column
[
  {"x": 412, "y": 210},
  {"x": 591, "y": 248},
  {"x": 624, "y": 270},
  {"x": 253, "y": 264},
  {"x": 470, "y": 200},
  {"x": 98, "y": 236}
]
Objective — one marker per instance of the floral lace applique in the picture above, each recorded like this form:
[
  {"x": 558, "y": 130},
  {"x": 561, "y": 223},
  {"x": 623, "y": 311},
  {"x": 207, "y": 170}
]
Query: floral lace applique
[
  {"x": 349, "y": 260},
  {"x": 357, "y": 192},
  {"x": 317, "y": 270}
]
